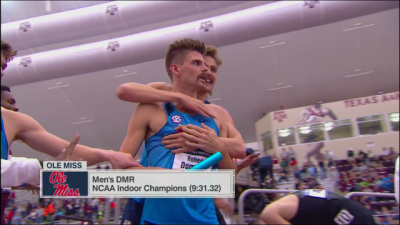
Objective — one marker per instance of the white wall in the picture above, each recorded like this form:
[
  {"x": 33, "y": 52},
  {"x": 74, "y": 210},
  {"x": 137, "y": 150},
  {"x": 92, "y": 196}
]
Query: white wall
[{"x": 253, "y": 145}]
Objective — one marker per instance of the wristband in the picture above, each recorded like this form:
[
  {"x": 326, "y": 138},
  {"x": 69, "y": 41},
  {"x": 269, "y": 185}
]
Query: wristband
[{"x": 24, "y": 184}]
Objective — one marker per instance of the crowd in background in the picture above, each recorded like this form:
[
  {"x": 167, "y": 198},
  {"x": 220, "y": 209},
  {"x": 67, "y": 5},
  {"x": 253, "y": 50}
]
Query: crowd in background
[
  {"x": 361, "y": 172},
  {"x": 45, "y": 209}
]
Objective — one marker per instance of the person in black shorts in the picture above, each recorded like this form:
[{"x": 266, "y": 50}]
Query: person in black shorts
[{"x": 316, "y": 207}]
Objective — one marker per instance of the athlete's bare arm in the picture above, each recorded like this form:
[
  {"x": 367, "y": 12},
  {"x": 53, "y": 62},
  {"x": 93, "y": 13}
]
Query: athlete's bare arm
[
  {"x": 137, "y": 130},
  {"x": 226, "y": 162},
  {"x": 139, "y": 93},
  {"x": 160, "y": 86},
  {"x": 281, "y": 211},
  {"x": 234, "y": 141},
  {"x": 28, "y": 130}
]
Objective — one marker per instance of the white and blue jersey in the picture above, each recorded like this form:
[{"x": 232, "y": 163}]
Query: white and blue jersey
[{"x": 177, "y": 210}]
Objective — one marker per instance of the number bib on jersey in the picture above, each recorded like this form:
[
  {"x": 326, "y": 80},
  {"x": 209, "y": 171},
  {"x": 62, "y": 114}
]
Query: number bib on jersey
[
  {"x": 317, "y": 193},
  {"x": 186, "y": 161}
]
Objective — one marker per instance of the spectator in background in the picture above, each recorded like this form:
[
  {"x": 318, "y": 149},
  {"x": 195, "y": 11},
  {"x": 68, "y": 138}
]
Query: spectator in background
[
  {"x": 95, "y": 206},
  {"x": 88, "y": 211},
  {"x": 386, "y": 183},
  {"x": 284, "y": 160},
  {"x": 321, "y": 165},
  {"x": 385, "y": 152},
  {"x": 383, "y": 220},
  {"x": 312, "y": 170},
  {"x": 50, "y": 209},
  {"x": 11, "y": 200},
  {"x": 39, "y": 214},
  {"x": 283, "y": 177},
  {"x": 329, "y": 158},
  {"x": 370, "y": 158},
  {"x": 291, "y": 154},
  {"x": 350, "y": 153},
  {"x": 334, "y": 175},
  {"x": 275, "y": 160},
  {"x": 362, "y": 156},
  {"x": 293, "y": 165},
  {"x": 265, "y": 166},
  {"x": 11, "y": 214},
  {"x": 368, "y": 206},
  {"x": 284, "y": 154},
  {"x": 297, "y": 184},
  {"x": 361, "y": 167},
  {"x": 33, "y": 216}
]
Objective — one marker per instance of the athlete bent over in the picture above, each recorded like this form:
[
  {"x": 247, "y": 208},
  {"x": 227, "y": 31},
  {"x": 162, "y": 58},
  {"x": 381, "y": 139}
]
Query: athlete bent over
[{"x": 316, "y": 207}]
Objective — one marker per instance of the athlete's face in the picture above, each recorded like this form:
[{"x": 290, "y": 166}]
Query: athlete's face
[
  {"x": 211, "y": 74},
  {"x": 8, "y": 101},
  {"x": 193, "y": 71}
]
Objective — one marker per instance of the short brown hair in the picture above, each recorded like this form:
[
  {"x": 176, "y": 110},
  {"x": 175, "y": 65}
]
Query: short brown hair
[
  {"x": 178, "y": 50},
  {"x": 8, "y": 51},
  {"x": 213, "y": 53}
]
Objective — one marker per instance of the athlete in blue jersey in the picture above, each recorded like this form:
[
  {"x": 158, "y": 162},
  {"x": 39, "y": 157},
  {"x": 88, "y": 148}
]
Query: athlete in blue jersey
[
  {"x": 134, "y": 92},
  {"x": 151, "y": 122},
  {"x": 162, "y": 92}
]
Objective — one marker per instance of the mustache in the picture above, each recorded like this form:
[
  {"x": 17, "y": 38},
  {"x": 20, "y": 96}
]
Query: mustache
[{"x": 203, "y": 74}]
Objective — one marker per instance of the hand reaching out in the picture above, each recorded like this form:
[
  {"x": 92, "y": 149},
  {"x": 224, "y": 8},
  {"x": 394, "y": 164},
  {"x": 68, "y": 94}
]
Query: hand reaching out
[
  {"x": 67, "y": 152},
  {"x": 248, "y": 161}
]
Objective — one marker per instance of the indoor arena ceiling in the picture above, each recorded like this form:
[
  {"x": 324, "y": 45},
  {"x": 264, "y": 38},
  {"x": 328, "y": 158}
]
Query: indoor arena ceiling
[
  {"x": 347, "y": 59},
  {"x": 19, "y": 10}
]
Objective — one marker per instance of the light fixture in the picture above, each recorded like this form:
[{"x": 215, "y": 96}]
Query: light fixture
[
  {"x": 394, "y": 117},
  {"x": 394, "y": 120},
  {"x": 305, "y": 130},
  {"x": 284, "y": 132},
  {"x": 328, "y": 126}
]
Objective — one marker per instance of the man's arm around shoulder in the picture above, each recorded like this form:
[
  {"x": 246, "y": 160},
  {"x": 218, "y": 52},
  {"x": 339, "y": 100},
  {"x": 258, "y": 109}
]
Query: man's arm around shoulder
[
  {"x": 227, "y": 162},
  {"x": 151, "y": 93},
  {"x": 234, "y": 142}
]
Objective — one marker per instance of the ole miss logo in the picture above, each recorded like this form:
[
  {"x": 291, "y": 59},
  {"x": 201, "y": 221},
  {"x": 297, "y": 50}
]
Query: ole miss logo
[
  {"x": 58, "y": 179},
  {"x": 176, "y": 119}
]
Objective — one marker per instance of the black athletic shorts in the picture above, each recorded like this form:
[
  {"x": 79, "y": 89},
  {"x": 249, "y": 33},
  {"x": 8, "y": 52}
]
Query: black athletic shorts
[{"x": 332, "y": 209}]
